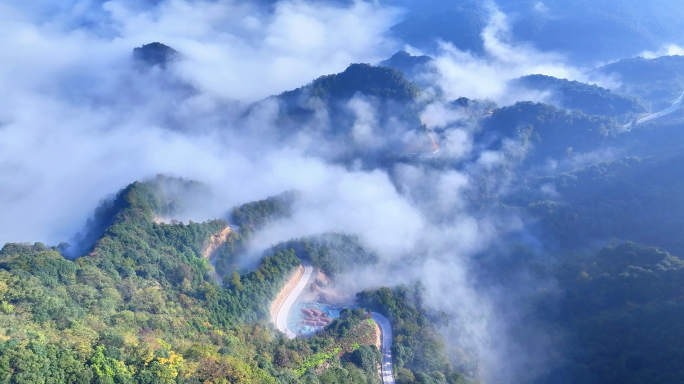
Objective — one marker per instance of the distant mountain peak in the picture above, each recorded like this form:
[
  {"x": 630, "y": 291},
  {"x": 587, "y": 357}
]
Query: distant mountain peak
[
  {"x": 406, "y": 62},
  {"x": 381, "y": 82},
  {"x": 588, "y": 98},
  {"x": 403, "y": 55},
  {"x": 155, "y": 54}
]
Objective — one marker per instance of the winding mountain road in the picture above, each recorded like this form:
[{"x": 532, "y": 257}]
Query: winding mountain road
[
  {"x": 384, "y": 324},
  {"x": 673, "y": 108},
  {"x": 385, "y": 348}
]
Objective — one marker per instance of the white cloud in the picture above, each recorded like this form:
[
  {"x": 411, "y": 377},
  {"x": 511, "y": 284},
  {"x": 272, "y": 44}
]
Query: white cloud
[
  {"x": 362, "y": 131},
  {"x": 465, "y": 74},
  {"x": 237, "y": 50},
  {"x": 77, "y": 122},
  {"x": 666, "y": 50}
]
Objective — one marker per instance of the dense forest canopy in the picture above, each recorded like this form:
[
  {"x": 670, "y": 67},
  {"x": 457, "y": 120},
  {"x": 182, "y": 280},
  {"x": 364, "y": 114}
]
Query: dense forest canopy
[
  {"x": 619, "y": 311},
  {"x": 659, "y": 80},
  {"x": 590, "y": 99},
  {"x": 551, "y": 132},
  {"x": 419, "y": 352},
  {"x": 601, "y": 202},
  {"x": 141, "y": 307},
  {"x": 334, "y": 253},
  {"x": 640, "y": 70},
  {"x": 140, "y": 304},
  {"x": 163, "y": 198},
  {"x": 256, "y": 214},
  {"x": 381, "y": 82}
]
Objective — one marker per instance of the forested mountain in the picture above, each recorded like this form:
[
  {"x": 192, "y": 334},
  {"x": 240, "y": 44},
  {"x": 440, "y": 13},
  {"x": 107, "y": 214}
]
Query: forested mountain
[
  {"x": 506, "y": 241},
  {"x": 142, "y": 308},
  {"x": 590, "y": 99},
  {"x": 602, "y": 201},
  {"x": 419, "y": 351},
  {"x": 548, "y": 131},
  {"x": 411, "y": 66},
  {"x": 256, "y": 214},
  {"x": 660, "y": 80},
  {"x": 156, "y": 54},
  {"x": 620, "y": 312},
  {"x": 163, "y": 198},
  {"x": 381, "y": 82},
  {"x": 406, "y": 62},
  {"x": 250, "y": 217},
  {"x": 334, "y": 253},
  {"x": 381, "y": 94},
  {"x": 151, "y": 277},
  {"x": 639, "y": 70}
]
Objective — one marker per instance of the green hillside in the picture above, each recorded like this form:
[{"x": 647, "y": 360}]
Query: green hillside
[
  {"x": 141, "y": 307},
  {"x": 617, "y": 315},
  {"x": 549, "y": 131},
  {"x": 659, "y": 80},
  {"x": 636, "y": 199}
]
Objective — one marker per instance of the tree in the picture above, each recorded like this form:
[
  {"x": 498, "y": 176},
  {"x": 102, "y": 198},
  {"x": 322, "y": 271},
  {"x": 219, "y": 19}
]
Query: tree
[{"x": 366, "y": 357}]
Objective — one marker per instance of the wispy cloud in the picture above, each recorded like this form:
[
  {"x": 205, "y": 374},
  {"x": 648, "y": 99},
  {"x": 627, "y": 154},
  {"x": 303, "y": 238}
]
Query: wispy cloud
[
  {"x": 666, "y": 50},
  {"x": 461, "y": 73}
]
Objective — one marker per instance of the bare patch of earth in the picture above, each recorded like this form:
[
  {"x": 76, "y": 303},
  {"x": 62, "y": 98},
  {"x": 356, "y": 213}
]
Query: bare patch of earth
[{"x": 216, "y": 241}]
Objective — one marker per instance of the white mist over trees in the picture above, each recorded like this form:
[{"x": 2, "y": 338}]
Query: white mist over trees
[{"x": 80, "y": 118}]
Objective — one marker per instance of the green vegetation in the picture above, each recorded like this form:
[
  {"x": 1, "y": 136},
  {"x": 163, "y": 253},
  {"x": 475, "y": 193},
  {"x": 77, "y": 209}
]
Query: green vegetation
[
  {"x": 409, "y": 65},
  {"x": 332, "y": 356},
  {"x": 256, "y": 214},
  {"x": 639, "y": 70},
  {"x": 227, "y": 258},
  {"x": 250, "y": 217},
  {"x": 334, "y": 253},
  {"x": 590, "y": 99},
  {"x": 140, "y": 203},
  {"x": 553, "y": 132},
  {"x": 418, "y": 350},
  {"x": 367, "y": 357},
  {"x": 603, "y": 201},
  {"x": 391, "y": 95},
  {"x": 660, "y": 80},
  {"x": 382, "y": 82},
  {"x": 141, "y": 307},
  {"x": 316, "y": 360},
  {"x": 620, "y": 313},
  {"x": 351, "y": 339},
  {"x": 155, "y": 54}
]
